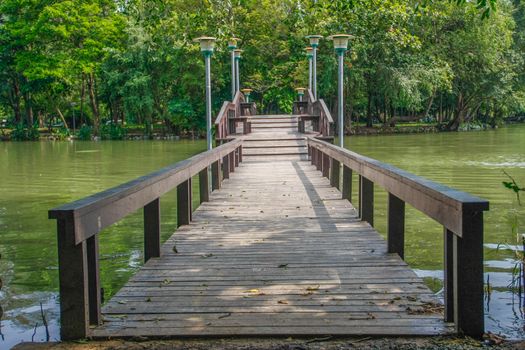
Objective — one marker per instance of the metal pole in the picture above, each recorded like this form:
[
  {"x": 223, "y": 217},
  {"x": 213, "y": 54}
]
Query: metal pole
[
  {"x": 238, "y": 85},
  {"x": 208, "y": 100},
  {"x": 234, "y": 87},
  {"x": 340, "y": 105},
  {"x": 310, "y": 73},
  {"x": 315, "y": 72}
]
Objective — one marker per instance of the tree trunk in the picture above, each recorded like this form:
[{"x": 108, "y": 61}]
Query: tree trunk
[
  {"x": 16, "y": 101},
  {"x": 62, "y": 118},
  {"x": 94, "y": 103},
  {"x": 82, "y": 95},
  {"x": 28, "y": 101},
  {"x": 459, "y": 115}
]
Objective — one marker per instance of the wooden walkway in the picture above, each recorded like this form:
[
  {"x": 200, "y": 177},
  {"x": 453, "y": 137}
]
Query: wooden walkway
[{"x": 275, "y": 251}]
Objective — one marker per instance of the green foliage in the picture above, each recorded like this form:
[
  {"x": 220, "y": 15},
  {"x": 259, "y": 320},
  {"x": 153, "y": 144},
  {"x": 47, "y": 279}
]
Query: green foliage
[
  {"x": 22, "y": 133},
  {"x": 113, "y": 132},
  {"x": 513, "y": 186},
  {"x": 60, "y": 133},
  {"x": 85, "y": 133}
]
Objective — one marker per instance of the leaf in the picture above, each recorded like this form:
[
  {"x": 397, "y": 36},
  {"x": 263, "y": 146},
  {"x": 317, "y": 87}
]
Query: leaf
[
  {"x": 282, "y": 302},
  {"x": 282, "y": 266},
  {"x": 312, "y": 288},
  {"x": 175, "y": 249},
  {"x": 122, "y": 302}
]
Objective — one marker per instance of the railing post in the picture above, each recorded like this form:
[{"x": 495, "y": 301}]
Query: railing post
[
  {"x": 347, "y": 183},
  {"x": 334, "y": 174},
  {"x": 204, "y": 185},
  {"x": 396, "y": 226},
  {"x": 448, "y": 274},
  {"x": 95, "y": 292},
  {"x": 468, "y": 276},
  {"x": 184, "y": 203},
  {"x": 236, "y": 156},
  {"x": 152, "y": 230},
  {"x": 319, "y": 160},
  {"x": 366, "y": 200},
  {"x": 226, "y": 167},
  {"x": 215, "y": 175},
  {"x": 232, "y": 161},
  {"x": 74, "y": 280},
  {"x": 240, "y": 154},
  {"x": 326, "y": 165}
]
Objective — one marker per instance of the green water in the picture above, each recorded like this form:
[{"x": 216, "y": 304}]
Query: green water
[{"x": 38, "y": 176}]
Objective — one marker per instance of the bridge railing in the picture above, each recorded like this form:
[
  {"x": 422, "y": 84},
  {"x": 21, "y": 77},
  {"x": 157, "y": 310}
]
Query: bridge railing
[
  {"x": 460, "y": 213},
  {"x": 317, "y": 112},
  {"x": 233, "y": 113},
  {"x": 80, "y": 222}
]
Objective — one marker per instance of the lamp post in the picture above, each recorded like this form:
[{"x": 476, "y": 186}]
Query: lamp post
[
  {"x": 237, "y": 55},
  {"x": 310, "y": 55},
  {"x": 247, "y": 93},
  {"x": 207, "y": 45},
  {"x": 314, "y": 43},
  {"x": 232, "y": 45},
  {"x": 300, "y": 92},
  {"x": 340, "y": 46}
]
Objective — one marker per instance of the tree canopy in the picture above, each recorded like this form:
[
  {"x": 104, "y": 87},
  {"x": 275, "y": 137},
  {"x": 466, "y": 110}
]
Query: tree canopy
[{"x": 133, "y": 61}]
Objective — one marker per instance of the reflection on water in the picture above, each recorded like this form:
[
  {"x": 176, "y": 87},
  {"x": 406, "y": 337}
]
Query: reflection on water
[{"x": 38, "y": 176}]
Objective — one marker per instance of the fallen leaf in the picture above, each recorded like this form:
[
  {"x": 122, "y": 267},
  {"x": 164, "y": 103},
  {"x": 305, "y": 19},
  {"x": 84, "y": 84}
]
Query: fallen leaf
[
  {"x": 175, "y": 249},
  {"x": 282, "y": 266},
  {"x": 312, "y": 288},
  {"x": 282, "y": 302},
  {"x": 224, "y": 316},
  {"x": 208, "y": 255},
  {"x": 148, "y": 300},
  {"x": 122, "y": 302}
]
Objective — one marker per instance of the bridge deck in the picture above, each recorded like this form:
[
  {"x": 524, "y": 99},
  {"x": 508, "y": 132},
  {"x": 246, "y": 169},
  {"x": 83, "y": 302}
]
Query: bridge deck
[{"x": 275, "y": 252}]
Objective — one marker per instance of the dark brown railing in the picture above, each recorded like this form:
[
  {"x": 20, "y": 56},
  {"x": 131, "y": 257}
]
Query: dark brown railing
[
  {"x": 80, "y": 222},
  {"x": 460, "y": 213},
  {"x": 317, "y": 112},
  {"x": 233, "y": 113}
]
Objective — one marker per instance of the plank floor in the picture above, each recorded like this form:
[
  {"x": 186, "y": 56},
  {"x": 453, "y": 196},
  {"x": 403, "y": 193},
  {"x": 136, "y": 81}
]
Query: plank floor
[{"x": 276, "y": 252}]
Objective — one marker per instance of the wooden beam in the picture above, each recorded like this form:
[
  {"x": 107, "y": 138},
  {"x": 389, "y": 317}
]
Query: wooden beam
[
  {"x": 95, "y": 296},
  {"x": 347, "y": 183},
  {"x": 326, "y": 165},
  {"x": 468, "y": 277},
  {"x": 334, "y": 174},
  {"x": 184, "y": 203},
  {"x": 366, "y": 200},
  {"x": 204, "y": 185},
  {"x": 216, "y": 175},
  {"x": 73, "y": 280},
  {"x": 226, "y": 167},
  {"x": 152, "y": 230},
  {"x": 396, "y": 226},
  {"x": 448, "y": 270}
]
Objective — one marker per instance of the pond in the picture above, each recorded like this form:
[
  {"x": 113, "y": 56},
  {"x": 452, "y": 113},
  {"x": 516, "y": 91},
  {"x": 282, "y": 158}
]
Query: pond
[{"x": 38, "y": 176}]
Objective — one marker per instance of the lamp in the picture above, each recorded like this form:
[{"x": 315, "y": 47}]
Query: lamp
[{"x": 314, "y": 43}]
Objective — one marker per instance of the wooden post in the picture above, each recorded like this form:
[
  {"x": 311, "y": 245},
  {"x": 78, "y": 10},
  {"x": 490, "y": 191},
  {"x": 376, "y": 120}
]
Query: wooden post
[
  {"x": 448, "y": 272},
  {"x": 73, "y": 279},
  {"x": 184, "y": 203},
  {"x": 326, "y": 165},
  {"x": 319, "y": 160},
  {"x": 226, "y": 167},
  {"x": 468, "y": 276},
  {"x": 215, "y": 175},
  {"x": 152, "y": 230},
  {"x": 236, "y": 156},
  {"x": 347, "y": 183},
  {"x": 334, "y": 174},
  {"x": 396, "y": 226},
  {"x": 204, "y": 185},
  {"x": 95, "y": 297},
  {"x": 366, "y": 200},
  {"x": 232, "y": 161},
  {"x": 240, "y": 154},
  {"x": 313, "y": 155}
]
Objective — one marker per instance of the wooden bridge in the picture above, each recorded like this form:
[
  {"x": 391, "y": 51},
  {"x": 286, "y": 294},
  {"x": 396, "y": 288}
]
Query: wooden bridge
[{"x": 281, "y": 244}]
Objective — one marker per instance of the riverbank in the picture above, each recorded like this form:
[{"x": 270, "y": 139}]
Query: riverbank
[
  {"x": 134, "y": 134},
  {"x": 325, "y": 343}
]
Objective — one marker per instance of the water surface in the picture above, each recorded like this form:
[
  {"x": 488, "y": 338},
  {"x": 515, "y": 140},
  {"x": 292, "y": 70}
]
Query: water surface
[{"x": 35, "y": 177}]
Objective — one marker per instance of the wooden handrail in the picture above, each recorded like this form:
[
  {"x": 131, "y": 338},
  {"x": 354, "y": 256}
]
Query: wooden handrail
[
  {"x": 79, "y": 222},
  {"x": 230, "y": 114},
  {"x": 318, "y": 113},
  {"x": 460, "y": 213}
]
